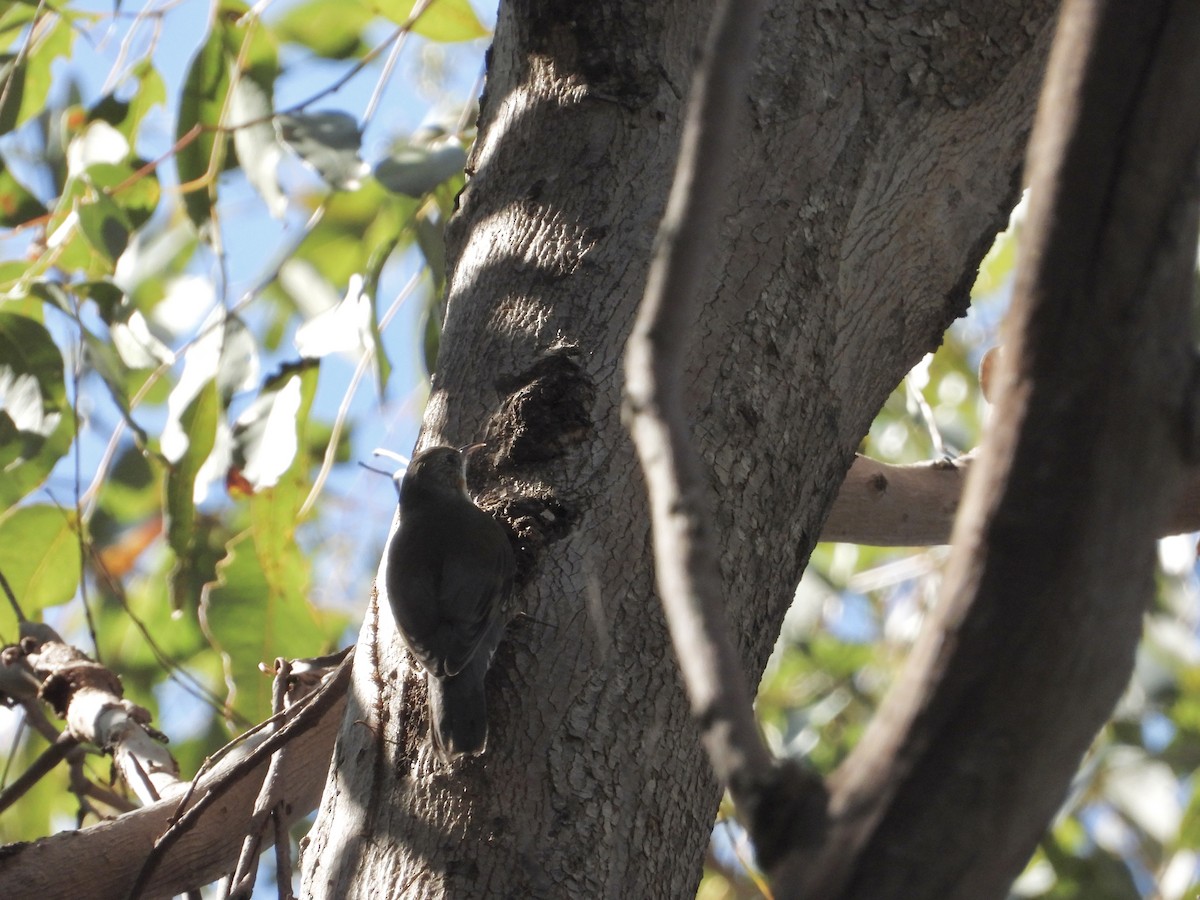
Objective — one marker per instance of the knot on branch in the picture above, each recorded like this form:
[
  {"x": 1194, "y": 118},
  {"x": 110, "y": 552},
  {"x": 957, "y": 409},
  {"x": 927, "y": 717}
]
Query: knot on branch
[
  {"x": 547, "y": 410},
  {"x": 66, "y": 680}
]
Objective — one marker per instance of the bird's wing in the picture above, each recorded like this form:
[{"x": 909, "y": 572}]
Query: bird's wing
[
  {"x": 473, "y": 588},
  {"x": 447, "y": 604}
]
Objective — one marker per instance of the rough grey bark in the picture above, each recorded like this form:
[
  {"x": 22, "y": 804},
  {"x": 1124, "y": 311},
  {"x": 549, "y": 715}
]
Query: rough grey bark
[{"x": 881, "y": 158}]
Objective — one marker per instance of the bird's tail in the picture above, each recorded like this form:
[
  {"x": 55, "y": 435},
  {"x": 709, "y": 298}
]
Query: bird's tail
[{"x": 458, "y": 711}]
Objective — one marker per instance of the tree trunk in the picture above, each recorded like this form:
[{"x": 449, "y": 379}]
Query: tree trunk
[{"x": 879, "y": 154}]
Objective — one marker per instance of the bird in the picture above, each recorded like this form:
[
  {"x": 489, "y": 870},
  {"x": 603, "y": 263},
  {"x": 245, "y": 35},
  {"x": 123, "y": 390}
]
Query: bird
[{"x": 447, "y": 571}]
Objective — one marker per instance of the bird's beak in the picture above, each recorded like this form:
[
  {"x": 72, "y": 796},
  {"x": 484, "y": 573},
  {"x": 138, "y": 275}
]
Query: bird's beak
[{"x": 471, "y": 448}]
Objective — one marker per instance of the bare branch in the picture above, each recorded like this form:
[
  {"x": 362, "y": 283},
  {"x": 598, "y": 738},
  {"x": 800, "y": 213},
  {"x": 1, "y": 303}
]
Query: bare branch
[
  {"x": 201, "y": 845},
  {"x": 89, "y": 697},
  {"x": 914, "y": 505},
  {"x": 1034, "y": 638},
  {"x": 46, "y": 761},
  {"x": 897, "y": 506},
  {"x": 242, "y": 880},
  {"x": 687, "y": 574}
]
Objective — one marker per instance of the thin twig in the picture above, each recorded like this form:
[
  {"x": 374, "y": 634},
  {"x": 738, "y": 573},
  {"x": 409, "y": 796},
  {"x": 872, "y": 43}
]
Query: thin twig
[
  {"x": 303, "y": 716},
  {"x": 390, "y": 63},
  {"x": 244, "y": 874},
  {"x": 343, "y": 412},
  {"x": 12, "y": 599},
  {"x": 43, "y": 765},
  {"x": 176, "y": 672},
  {"x": 76, "y": 374}
]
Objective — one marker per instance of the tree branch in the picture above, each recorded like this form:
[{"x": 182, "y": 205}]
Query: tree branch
[
  {"x": 206, "y": 846},
  {"x": 1034, "y": 638},
  {"x": 914, "y": 505},
  {"x": 686, "y": 569}
]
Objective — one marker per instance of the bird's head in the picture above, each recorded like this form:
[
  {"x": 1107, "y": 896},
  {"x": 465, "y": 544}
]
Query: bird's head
[{"x": 439, "y": 469}]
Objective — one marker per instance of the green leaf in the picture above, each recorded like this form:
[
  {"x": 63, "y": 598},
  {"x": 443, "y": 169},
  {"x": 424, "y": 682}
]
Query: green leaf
[
  {"x": 39, "y": 555},
  {"x": 37, "y": 429},
  {"x": 105, "y": 225},
  {"x": 354, "y": 225},
  {"x": 415, "y": 171},
  {"x": 69, "y": 249},
  {"x": 256, "y": 612},
  {"x": 199, "y": 423},
  {"x": 12, "y": 273},
  {"x": 34, "y": 462},
  {"x": 431, "y": 238},
  {"x": 52, "y": 45},
  {"x": 259, "y": 608},
  {"x": 328, "y": 143},
  {"x": 126, "y": 115},
  {"x": 204, "y": 90},
  {"x": 445, "y": 21},
  {"x": 380, "y": 254},
  {"x": 13, "y": 22},
  {"x": 27, "y": 347},
  {"x": 138, "y": 197},
  {"x": 12, "y": 91},
  {"x": 132, "y": 491},
  {"x": 331, "y": 30},
  {"x": 1189, "y": 831},
  {"x": 17, "y": 204},
  {"x": 265, "y": 440}
]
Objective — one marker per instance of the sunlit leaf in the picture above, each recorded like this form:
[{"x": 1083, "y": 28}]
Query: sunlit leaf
[
  {"x": 133, "y": 340},
  {"x": 251, "y": 104},
  {"x": 199, "y": 424},
  {"x": 12, "y": 91},
  {"x": 200, "y": 106},
  {"x": 39, "y": 555},
  {"x": 264, "y": 435},
  {"x": 328, "y": 143},
  {"x": 256, "y": 144},
  {"x": 446, "y": 21},
  {"x": 260, "y": 608},
  {"x": 224, "y": 354},
  {"x": 332, "y": 30},
  {"x": 1145, "y": 790},
  {"x": 343, "y": 328},
  {"x": 415, "y": 171},
  {"x": 97, "y": 143},
  {"x": 13, "y": 21},
  {"x": 51, "y": 45}
]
